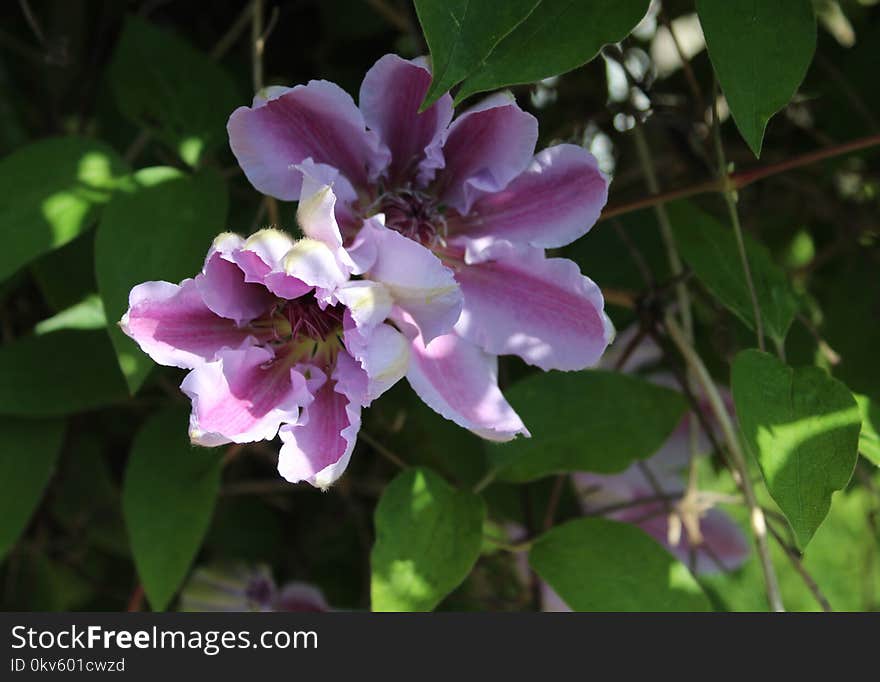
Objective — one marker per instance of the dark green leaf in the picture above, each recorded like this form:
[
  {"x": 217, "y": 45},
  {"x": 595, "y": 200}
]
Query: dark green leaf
[
  {"x": 586, "y": 421},
  {"x": 160, "y": 230},
  {"x": 760, "y": 50},
  {"x": 803, "y": 428},
  {"x": 162, "y": 83},
  {"x": 558, "y": 36},
  {"x": 461, "y": 33},
  {"x": 59, "y": 373},
  {"x": 167, "y": 499},
  {"x": 28, "y": 451},
  {"x": 428, "y": 536},
  {"x": 49, "y": 193},
  {"x": 711, "y": 251},
  {"x": 602, "y": 565},
  {"x": 869, "y": 437}
]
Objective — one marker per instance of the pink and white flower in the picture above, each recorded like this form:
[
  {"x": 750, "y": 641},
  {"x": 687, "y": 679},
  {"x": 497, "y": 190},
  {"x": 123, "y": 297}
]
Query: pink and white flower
[
  {"x": 279, "y": 340},
  {"x": 452, "y": 217}
]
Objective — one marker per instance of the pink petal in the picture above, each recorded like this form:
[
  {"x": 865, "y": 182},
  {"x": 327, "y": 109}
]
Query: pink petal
[
  {"x": 390, "y": 96},
  {"x": 417, "y": 280},
  {"x": 541, "y": 309},
  {"x": 318, "y": 447},
  {"x": 486, "y": 147},
  {"x": 316, "y": 215},
  {"x": 368, "y": 303},
  {"x": 224, "y": 290},
  {"x": 318, "y": 120},
  {"x": 557, "y": 199},
  {"x": 173, "y": 325},
  {"x": 460, "y": 382},
  {"x": 315, "y": 264},
  {"x": 300, "y": 597},
  {"x": 383, "y": 353},
  {"x": 243, "y": 396}
]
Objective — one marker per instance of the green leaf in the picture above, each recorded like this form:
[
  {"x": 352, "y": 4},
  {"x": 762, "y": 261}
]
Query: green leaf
[
  {"x": 586, "y": 421},
  {"x": 168, "y": 498},
  {"x": 49, "y": 193},
  {"x": 164, "y": 84},
  {"x": 869, "y": 437},
  {"x": 760, "y": 50},
  {"x": 428, "y": 536},
  {"x": 28, "y": 451},
  {"x": 602, "y": 565},
  {"x": 159, "y": 230},
  {"x": 59, "y": 373},
  {"x": 558, "y": 36},
  {"x": 87, "y": 314},
  {"x": 461, "y": 33},
  {"x": 803, "y": 428},
  {"x": 711, "y": 251}
]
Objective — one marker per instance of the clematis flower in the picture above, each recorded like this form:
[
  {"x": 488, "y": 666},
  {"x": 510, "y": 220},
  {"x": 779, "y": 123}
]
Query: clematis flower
[
  {"x": 453, "y": 217},
  {"x": 240, "y": 587},
  {"x": 279, "y": 340}
]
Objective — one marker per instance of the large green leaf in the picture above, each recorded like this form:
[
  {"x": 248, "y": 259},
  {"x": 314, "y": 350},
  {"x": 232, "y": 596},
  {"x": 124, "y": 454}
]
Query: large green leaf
[
  {"x": 49, "y": 193},
  {"x": 711, "y": 251},
  {"x": 803, "y": 428},
  {"x": 461, "y": 33},
  {"x": 558, "y": 36},
  {"x": 162, "y": 83},
  {"x": 168, "y": 497},
  {"x": 428, "y": 536},
  {"x": 159, "y": 230},
  {"x": 760, "y": 50},
  {"x": 586, "y": 421},
  {"x": 59, "y": 373},
  {"x": 28, "y": 451},
  {"x": 869, "y": 437},
  {"x": 602, "y": 565}
]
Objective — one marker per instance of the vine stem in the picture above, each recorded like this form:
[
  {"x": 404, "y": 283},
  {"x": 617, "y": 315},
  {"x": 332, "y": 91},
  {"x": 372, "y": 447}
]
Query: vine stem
[
  {"x": 756, "y": 515},
  {"x": 729, "y": 195},
  {"x": 739, "y": 180}
]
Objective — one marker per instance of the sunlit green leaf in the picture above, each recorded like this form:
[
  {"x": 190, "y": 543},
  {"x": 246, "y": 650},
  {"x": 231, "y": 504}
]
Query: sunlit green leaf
[
  {"x": 168, "y": 497},
  {"x": 50, "y": 192},
  {"x": 87, "y": 314},
  {"x": 803, "y": 428},
  {"x": 760, "y": 51},
  {"x": 602, "y": 565},
  {"x": 711, "y": 251},
  {"x": 428, "y": 536},
  {"x": 28, "y": 451},
  {"x": 558, "y": 36},
  {"x": 586, "y": 421},
  {"x": 462, "y": 33},
  {"x": 869, "y": 437},
  {"x": 159, "y": 230},
  {"x": 59, "y": 373}
]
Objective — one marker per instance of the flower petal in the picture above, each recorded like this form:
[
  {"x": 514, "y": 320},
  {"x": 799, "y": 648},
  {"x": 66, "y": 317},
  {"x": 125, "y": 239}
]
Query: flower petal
[
  {"x": 173, "y": 325},
  {"x": 314, "y": 264},
  {"x": 224, "y": 290},
  {"x": 368, "y": 303},
  {"x": 390, "y": 97},
  {"x": 318, "y": 447},
  {"x": 541, "y": 309},
  {"x": 383, "y": 353},
  {"x": 243, "y": 396},
  {"x": 486, "y": 147},
  {"x": 460, "y": 382},
  {"x": 318, "y": 120},
  {"x": 417, "y": 280},
  {"x": 557, "y": 199}
]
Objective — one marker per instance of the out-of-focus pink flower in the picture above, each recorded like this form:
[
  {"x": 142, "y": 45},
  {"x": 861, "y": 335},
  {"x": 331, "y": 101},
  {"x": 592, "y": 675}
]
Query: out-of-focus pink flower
[
  {"x": 240, "y": 587},
  {"x": 452, "y": 217},
  {"x": 278, "y": 340}
]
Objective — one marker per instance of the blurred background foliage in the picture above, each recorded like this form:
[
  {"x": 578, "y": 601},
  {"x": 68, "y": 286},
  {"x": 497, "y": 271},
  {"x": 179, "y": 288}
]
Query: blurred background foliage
[{"x": 93, "y": 89}]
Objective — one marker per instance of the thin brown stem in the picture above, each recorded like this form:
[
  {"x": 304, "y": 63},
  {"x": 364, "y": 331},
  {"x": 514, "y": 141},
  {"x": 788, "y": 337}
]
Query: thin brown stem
[{"x": 382, "y": 449}]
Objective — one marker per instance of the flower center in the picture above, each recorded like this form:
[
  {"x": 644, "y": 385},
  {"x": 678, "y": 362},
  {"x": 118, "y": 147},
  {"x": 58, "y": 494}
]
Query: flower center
[
  {"x": 301, "y": 330},
  {"x": 414, "y": 214}
]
